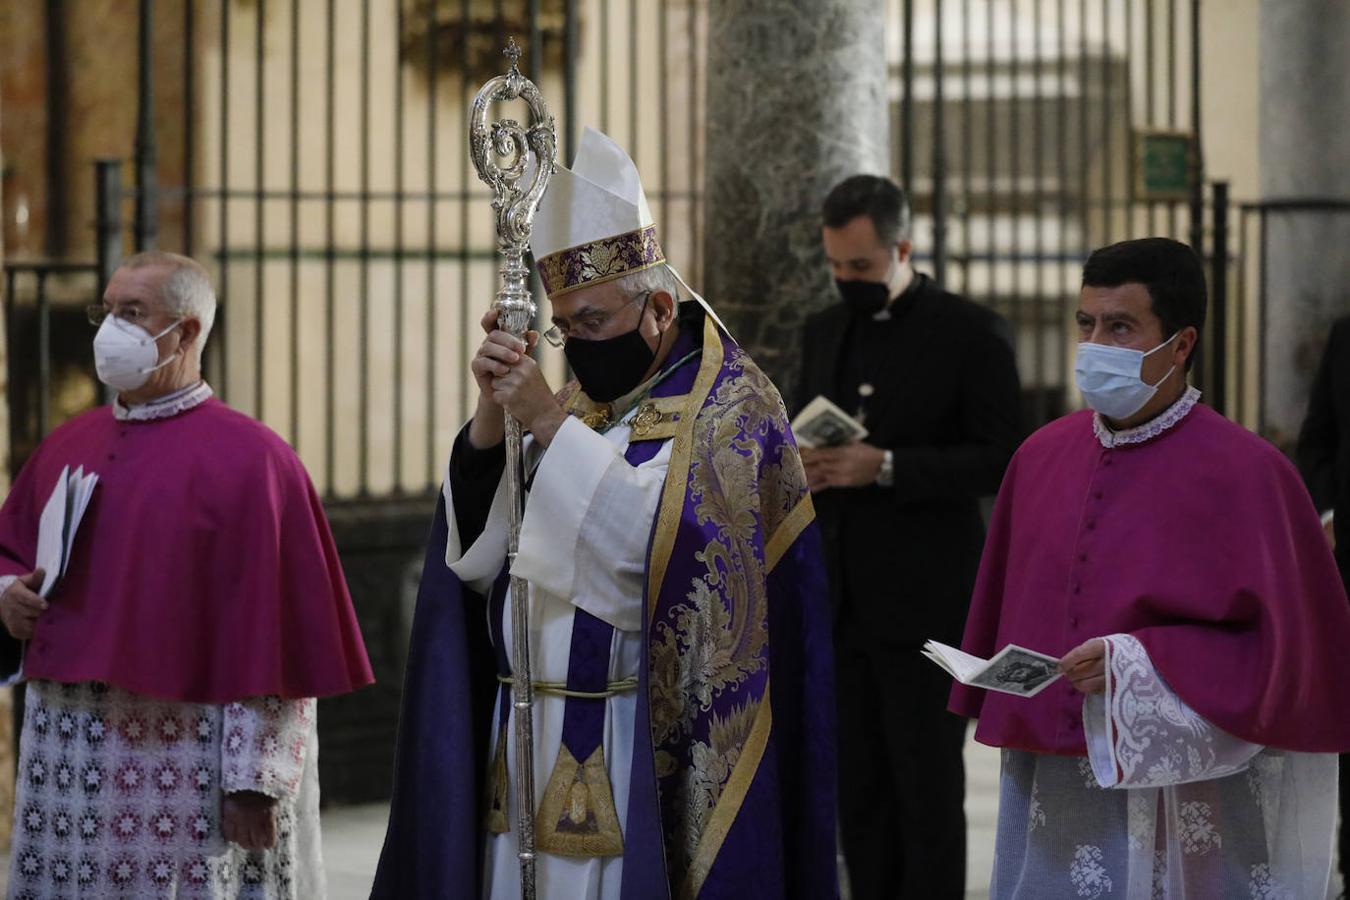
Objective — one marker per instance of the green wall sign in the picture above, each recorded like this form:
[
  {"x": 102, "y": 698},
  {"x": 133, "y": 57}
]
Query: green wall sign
[{"x": 1162, "y": 165}]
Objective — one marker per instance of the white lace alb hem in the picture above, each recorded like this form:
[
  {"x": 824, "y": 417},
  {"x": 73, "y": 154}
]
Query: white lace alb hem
[
  {"x": 1150, "y": 429},
  {"x": 164, "y": 407}
]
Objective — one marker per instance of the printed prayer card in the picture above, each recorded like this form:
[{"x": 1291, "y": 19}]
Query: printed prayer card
[
  {"x": 823, "y": 424},
  {"x": 1013, "y": 670},
  {"x": 59, "y": 523}
]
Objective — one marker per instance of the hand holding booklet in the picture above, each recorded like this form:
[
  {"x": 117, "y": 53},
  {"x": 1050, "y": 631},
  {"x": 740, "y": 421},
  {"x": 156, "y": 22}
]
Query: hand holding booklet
[
  {"x": 1013, "y": 670},
  {"x": 60, "y": 521},
  {"x": 823, "y": 424}
]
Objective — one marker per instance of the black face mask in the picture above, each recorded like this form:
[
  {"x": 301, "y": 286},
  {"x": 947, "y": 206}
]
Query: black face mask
[
  {"x": 610, "y": 368},
  {"x": 864, "y": 298}
]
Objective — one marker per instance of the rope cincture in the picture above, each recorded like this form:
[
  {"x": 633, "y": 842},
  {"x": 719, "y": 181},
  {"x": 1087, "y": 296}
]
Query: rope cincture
[{"x": 559, "y": 688}]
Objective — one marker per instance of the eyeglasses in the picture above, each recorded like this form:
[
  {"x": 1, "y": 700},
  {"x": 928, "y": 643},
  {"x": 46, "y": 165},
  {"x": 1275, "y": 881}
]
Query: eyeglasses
[
  {"x": 133, "y": 315},
  {"x": 591, "y": 325}
]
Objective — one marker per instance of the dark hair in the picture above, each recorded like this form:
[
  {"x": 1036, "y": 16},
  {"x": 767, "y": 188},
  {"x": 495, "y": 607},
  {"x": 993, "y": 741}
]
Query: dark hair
[
  {"x": 1168, "y": 269},
  {"x": 880, "y": 199}
]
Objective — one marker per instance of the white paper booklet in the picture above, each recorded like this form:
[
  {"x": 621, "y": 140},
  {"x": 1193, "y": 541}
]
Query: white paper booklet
[
  {"x": 59, "y": 523},
  {"x": 1013, "y": 670},
  {"x": 823, "y": 424}
]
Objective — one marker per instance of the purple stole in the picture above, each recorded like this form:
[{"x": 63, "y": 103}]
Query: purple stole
[
  {"x": 732, "y": 786},
  {"x": 576, "y": 815}
]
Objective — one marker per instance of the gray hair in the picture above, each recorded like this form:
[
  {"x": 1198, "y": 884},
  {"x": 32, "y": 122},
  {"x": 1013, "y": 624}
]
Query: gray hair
[
  {"x": 186, "y": 291},
  {"x": 657, "y": 278}
]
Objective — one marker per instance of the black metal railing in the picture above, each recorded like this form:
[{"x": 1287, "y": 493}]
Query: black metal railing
[
  {"x": 50, "y": 365},
  {"x": 323, "y": 178},
  {"x": 1253, "y": 296},
  {"x": 347, "y": 231},
  {"x": 1013, "y": 129}
]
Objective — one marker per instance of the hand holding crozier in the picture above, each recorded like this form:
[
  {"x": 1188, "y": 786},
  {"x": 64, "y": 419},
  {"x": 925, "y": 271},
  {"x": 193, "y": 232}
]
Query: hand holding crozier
[{"x": 509, "y": 379}]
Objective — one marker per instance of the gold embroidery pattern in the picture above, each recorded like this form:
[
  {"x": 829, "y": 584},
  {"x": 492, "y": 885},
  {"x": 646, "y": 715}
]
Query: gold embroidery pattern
[
  {"x": 803, "y": 514},
  {"x": 599, "y": 261},
  {"x": 646, "y": 419},
  {"x": 657, "y": 418},
  {"x": 673, "y": 494},
  {"x": 598, "y": 418},
  {"x": 713, "y": 646},
  {"x": 496, "y": 820},
  {"x": 577, "y": 815},
  {"x": 734, "y": 791},
  {"x": 701, "y": 783}
]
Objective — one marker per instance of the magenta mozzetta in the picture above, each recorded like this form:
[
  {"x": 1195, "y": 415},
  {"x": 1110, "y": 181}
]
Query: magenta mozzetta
[
  {"x": 1194, "y": 536},
  {"x": 214, "y": 585}
]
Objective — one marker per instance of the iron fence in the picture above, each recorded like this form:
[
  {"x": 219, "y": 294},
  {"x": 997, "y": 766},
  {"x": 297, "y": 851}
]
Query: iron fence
[
  {"x": 324, "y": 179},
  {"x": 327, "y": 181},
  {"x": 1013, "y": 128},
  {"x": 51, "y": 362},
  {"x": 1254, "y": 296}
]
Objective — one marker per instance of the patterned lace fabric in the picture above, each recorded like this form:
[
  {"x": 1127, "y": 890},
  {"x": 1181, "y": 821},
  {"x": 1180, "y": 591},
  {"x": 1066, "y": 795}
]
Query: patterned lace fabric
[
  {"x": 164, "y": 407},
  {"x": 1166, "y": 806},
  {"x": 1150, "y": 429},
  {"x": 1260, "y": 834},
  {"x": 119, "y": 795},
  {"x": 1141, "y": 734}
]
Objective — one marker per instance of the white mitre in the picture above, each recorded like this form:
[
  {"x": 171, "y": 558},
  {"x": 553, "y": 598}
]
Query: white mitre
[{"x": 593, "y": 223}]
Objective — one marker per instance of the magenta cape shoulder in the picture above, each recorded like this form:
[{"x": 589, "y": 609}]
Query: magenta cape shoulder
[
  {"x": 1203, "y": 544},
  {"x": 204, "y": 570}
]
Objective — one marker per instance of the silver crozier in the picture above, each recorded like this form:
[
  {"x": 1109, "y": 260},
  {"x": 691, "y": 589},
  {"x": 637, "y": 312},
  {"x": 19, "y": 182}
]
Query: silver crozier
[{"x": 516, "y": 162}]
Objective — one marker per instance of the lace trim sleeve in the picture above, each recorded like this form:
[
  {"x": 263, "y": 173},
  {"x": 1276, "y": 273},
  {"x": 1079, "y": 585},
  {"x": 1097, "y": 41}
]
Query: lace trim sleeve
[
  {"x": 1141, "y": 734},
  {"x": 264, "y": 743}
]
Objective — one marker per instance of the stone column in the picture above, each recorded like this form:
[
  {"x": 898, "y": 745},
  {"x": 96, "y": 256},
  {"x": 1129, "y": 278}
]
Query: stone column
[
  {"x": 1305, "y": 142},
  {"x": 796, "y": 102}
]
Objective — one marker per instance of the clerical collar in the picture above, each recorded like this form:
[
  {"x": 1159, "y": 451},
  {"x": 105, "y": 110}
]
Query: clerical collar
[
  {"x": 165, "y": 407},
  {"x": 898, "y": 302},
  {"x": 1150, "y": 429}
]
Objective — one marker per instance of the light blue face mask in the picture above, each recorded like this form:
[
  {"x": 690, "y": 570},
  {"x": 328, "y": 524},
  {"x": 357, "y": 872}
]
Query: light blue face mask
[{"x": 1109, "y": 378}]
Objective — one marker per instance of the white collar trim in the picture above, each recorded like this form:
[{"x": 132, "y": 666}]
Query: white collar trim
[
  {"x": 164, "y": 407},
  {"x": 1150, "y": 429}
]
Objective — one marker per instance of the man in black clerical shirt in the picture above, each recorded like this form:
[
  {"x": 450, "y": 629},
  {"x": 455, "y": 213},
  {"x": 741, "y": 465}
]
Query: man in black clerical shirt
[{"x": 932, "y": 378}]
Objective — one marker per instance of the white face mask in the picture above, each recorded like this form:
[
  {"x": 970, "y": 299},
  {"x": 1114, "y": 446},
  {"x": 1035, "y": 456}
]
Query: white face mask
[
  {"x": 1109, "y": 378},
  {"x": 125, "y": 355}
]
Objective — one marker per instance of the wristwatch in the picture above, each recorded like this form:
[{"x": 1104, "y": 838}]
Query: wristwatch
[{"x": 886, "y": 474}]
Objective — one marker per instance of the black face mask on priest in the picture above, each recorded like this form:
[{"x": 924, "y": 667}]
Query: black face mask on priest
[
  {"x": 868, "y": 271},
  {"x": 608, "y": 351}
]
